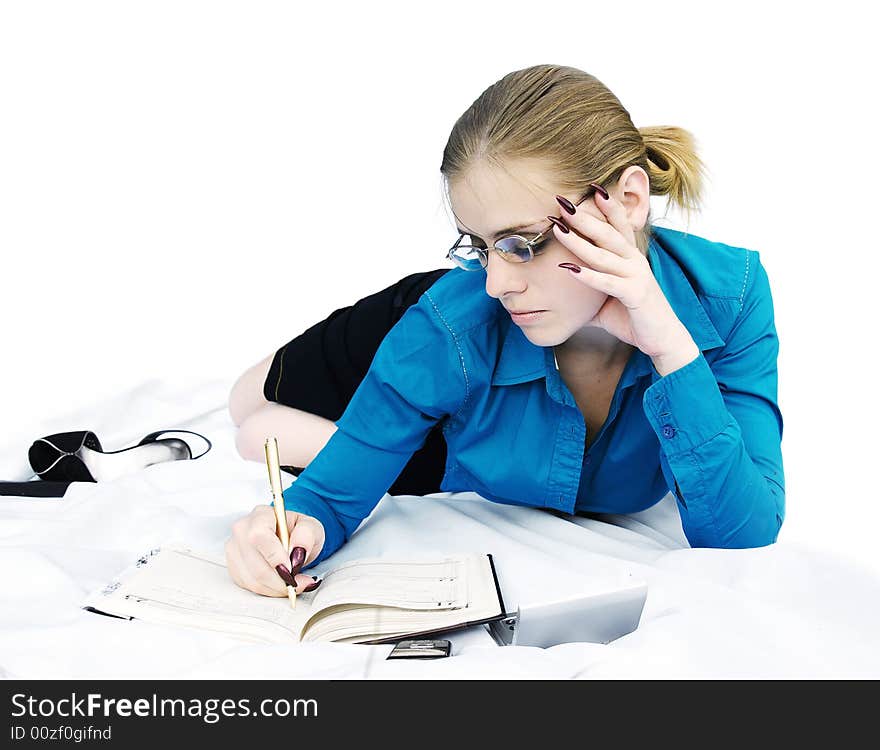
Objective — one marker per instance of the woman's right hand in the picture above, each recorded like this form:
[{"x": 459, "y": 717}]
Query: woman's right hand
[{"x": 254, "y": 553}]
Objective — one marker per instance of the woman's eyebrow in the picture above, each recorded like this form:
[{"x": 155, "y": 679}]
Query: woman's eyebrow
[{"x": 508, "y": 230}]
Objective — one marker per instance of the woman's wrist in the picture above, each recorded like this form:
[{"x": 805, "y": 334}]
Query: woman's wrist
[{"x": 681, "y": 354}]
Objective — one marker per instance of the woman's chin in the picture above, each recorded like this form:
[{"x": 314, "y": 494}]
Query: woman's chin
[{"x": 539, "y": 337}]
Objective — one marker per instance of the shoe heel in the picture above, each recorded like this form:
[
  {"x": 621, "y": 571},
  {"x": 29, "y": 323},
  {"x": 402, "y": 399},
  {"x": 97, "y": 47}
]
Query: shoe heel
[{"x": 107, "y": 466}]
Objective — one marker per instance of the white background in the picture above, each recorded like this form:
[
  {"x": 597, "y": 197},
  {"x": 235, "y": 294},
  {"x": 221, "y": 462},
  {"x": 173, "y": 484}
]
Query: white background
[{"x": 185, "y": 186}]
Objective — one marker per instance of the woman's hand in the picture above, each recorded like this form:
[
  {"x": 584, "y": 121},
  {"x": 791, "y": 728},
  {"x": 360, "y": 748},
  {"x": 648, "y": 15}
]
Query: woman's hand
[
  {"x": 636, "y": 310},
  {"x": 257, "y": 561}
]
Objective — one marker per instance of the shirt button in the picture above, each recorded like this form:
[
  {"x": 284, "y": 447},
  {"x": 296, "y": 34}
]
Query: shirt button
[{"x": 668, "y": 431}]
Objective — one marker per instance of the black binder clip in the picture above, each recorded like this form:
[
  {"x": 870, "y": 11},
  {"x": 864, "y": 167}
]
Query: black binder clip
[{"x": 425, "y": 648}]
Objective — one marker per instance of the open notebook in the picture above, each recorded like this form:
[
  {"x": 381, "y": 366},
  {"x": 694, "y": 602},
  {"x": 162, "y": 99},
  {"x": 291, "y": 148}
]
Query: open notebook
[{"x": 362, "y": 601}]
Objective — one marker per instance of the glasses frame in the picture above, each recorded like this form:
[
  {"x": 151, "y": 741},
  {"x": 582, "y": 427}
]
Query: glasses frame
[{"x": 483, "y": 253}]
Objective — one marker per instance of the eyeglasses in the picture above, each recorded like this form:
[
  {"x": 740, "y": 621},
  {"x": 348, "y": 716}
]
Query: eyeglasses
[{"x": 514, "y": 248}]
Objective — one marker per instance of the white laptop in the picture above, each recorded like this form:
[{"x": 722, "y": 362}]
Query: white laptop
[{"x": 596, "y": 617}]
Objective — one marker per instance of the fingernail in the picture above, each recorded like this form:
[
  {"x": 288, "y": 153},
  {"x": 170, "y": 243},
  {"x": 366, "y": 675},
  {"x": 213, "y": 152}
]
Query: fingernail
[
  {"x": 313, "y": 586},
  {"x": 599, "y": 189},
  {"x": 559, "y": 223},
  {"x": 285, "y": 575},
  {"x": 570, "y": 267},
  {"x": 297, "y": 558},
  {"x": 566, "y": 204}
]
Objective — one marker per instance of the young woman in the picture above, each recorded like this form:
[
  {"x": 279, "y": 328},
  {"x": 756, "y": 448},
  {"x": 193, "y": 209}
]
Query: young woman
[{"x": 575, "y": 359}]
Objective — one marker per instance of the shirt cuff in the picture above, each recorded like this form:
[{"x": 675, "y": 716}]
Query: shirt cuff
[
  {"x": 334, "y": 535},
  {"x": 685, "y": 407}
]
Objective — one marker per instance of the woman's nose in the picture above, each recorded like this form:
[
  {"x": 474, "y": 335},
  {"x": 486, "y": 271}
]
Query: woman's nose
[{"x": 503, "y": 277}]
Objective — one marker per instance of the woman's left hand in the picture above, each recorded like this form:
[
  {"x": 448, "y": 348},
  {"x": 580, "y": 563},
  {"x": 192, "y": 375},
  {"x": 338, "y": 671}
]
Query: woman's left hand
[{"x": 636, "y": 310}]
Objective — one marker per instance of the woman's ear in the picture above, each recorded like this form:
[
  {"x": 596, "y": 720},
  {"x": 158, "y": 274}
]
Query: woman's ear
[{"x": 633, "y": 191}]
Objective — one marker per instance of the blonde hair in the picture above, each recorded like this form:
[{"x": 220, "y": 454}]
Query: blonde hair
[{"x": 570, "y": 121}]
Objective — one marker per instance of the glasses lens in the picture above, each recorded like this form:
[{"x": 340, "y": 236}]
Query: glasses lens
[
  {"x": 467, "y": 256},
  {"x": 514, "y": 248}
]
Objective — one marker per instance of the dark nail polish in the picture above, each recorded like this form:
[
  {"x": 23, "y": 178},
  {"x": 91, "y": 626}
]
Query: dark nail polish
[
  {"x": 297, "y": 558},
  {"x": 559, "y": 223},
  {"x": 599, "y": 189},
  {"x": 566, "y": 204},
  {"x": 570, "y": 267},
  {"x": 315, "y": 578},
  {"x": 285, "y": 575},
  {"x": 313, "y": 586}
]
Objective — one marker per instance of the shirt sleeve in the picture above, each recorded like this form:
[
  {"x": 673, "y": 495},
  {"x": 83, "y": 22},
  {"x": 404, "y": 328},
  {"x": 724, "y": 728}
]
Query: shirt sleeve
[
  {"x": 720, "y": 432},
  {"x": 416, "y": 378}
]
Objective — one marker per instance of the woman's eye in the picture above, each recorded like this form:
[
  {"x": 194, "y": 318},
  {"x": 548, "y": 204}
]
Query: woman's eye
[{"x": 541, "y": 246}]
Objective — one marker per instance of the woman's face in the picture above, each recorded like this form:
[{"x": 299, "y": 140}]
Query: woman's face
[{"x": 489, "y": 199}]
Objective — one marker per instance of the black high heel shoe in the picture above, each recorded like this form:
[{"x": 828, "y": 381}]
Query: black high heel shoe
[{"x": 79, "y": 457}]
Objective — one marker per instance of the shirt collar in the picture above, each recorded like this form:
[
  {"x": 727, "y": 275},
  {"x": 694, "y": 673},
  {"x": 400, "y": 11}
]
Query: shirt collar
[{"x": 521, "y": 360}]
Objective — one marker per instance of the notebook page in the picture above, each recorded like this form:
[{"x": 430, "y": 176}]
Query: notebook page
[
  {"x": 410, "y": 584},
  {"x": 362, "y": 623},
  {"x": 193, "y": 588}
]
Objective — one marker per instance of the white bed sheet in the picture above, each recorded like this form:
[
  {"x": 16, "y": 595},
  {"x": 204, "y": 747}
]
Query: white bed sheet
[{"x": 783, "y": 611}]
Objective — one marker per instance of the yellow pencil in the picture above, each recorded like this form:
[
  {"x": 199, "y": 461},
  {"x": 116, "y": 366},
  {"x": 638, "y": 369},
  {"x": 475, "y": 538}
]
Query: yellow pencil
[{"x": 273, "y": 463}]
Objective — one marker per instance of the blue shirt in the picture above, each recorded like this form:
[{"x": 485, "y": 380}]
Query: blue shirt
[{"x": 710, "y": 431}]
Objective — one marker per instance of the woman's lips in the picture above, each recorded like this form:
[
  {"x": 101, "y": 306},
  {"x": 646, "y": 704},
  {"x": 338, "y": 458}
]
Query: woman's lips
[{"x": 526, "y": 317}]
